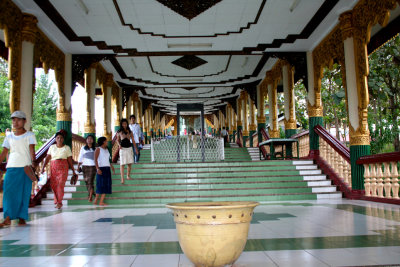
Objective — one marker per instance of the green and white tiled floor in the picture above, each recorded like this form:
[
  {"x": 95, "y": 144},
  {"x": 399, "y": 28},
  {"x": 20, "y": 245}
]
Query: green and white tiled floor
[{"x": 299, "y": 233}]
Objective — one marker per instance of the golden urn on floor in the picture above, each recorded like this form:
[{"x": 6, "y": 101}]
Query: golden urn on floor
[{"x": 212, "y": 234}]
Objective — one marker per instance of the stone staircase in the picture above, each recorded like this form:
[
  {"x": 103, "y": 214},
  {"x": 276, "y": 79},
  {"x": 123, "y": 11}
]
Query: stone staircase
[
  {"x": 261, "y": 181},
  {"x": 254, "y": 153}
]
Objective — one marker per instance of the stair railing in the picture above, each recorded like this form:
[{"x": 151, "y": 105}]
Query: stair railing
[
  {"x": 115, "y": 149},
  {"x": 381, "y": 175},
  {"x": 77, "y": 143},
  {"x": 38, "y": 194},
  {"x": 304, "y": 144},
  {"x": 255, "y": 139},
  {"x": 334, "y": 160},
  {"x": 265, "y": 136},
  {"x": 239, "y": 141}
]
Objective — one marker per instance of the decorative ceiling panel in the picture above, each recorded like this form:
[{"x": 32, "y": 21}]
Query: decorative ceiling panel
[
  {"x": 189, "y": 62},
  {"x": 189, "y": 8}
]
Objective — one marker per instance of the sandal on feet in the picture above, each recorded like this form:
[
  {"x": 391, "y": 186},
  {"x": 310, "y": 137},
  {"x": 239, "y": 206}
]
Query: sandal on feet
[
  {"x": 103, "y": 204},
  {"x": 5, "y": 224},
  {"x": 21, "y": 222}
]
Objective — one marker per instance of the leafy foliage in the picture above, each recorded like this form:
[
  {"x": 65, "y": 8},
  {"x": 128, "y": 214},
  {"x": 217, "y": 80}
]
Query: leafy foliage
[
  {"x": 5, "y": 85},
  {"x": 44, "y": 110},
  {"x": 384, "y": 90}
]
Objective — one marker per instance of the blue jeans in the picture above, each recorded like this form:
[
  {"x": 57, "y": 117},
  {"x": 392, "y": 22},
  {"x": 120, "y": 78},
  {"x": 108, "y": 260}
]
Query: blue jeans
[{"x": 136, "y": 156}]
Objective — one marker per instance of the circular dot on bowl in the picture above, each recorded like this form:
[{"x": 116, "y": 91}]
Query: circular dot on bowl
[
  {"x": 242, "y": 214},
  {"x": 198, "y": 216},
  {"x": 214, "y": 216},
  {"x": 230, "y": 215}
]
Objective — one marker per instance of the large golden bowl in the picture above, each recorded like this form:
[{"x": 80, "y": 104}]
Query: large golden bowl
[{"x": 213, "y": 234}]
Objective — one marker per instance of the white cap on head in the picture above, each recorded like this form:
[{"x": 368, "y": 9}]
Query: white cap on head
[{"x": 18, "y": 114}]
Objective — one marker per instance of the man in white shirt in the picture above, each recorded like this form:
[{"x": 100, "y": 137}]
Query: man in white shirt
[{"x": 137, "y": 135}]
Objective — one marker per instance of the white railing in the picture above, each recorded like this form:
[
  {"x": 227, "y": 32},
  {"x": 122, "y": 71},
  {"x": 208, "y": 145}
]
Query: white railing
[
  {"x": 187, "y": 149},
  {"x": 381, "y": 175}
]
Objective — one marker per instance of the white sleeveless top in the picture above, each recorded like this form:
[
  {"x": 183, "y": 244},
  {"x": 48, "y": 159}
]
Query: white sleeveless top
[
  {"x": 104, "y": 158},
  {"x": 19, "y": 149}
]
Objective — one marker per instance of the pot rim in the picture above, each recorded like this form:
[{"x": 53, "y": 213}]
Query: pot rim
[{"x": 213, "y": 205}]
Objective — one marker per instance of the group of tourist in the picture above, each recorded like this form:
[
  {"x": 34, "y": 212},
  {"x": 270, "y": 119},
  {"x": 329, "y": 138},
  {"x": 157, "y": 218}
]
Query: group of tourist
[{"x": 95, "y": 163}]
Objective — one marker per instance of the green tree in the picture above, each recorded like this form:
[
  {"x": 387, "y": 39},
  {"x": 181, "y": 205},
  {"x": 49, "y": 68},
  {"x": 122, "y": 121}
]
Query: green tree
[
  {"x": 44, "y": 111},
  {"x": 301, "y": 104},
  {"x": 333, "y": 100},
  {"x": 384, "y": 90},
  {"x": 5, "y": 96}
]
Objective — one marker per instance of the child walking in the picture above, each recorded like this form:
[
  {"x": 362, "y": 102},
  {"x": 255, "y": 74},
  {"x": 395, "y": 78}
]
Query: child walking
[{"x": 103, "y": 168}]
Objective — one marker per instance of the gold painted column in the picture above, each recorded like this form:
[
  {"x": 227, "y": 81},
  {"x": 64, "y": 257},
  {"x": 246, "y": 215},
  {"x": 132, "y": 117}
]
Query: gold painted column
[
  {"x": 356, "y": 64},
  {"x": 288, "y": 90},
  {"x": 261, "y": 89},
  {"x": 273, "y": 110},
  {"x": 64, "y": 119},
  {"x": 314, "y": 102},
  {"x": 90, "y": 83},
  {"x": 106, "y": 88},
  {"x": 24, "y": 99},
  {"x": 239, "y": 121},
  {"x": 252, "y": 121}
]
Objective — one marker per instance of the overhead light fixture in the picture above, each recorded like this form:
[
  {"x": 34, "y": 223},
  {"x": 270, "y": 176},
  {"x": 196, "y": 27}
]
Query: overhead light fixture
[
  {"x": 190, "y": 45},
  {"x": 294, "y": 4},
  {"x": 83, "y": 6},
  {"x": 189, "y": 80},
  {"x": 133, "y": 62}
]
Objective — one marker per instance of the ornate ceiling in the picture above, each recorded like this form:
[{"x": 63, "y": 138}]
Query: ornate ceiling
[{"x": 187, "y": 51}]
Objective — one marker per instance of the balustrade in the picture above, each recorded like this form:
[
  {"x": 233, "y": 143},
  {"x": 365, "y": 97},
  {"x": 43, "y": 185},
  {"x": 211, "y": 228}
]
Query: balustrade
[
  {"x": 381, "y": 175},
  {"x": 304, "y": 144}
]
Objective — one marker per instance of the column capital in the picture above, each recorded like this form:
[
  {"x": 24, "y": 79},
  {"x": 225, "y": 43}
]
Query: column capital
[
  {"x": 346, "y": 24},
  {"x": 89, "y": 127},
  {"x": 29, "y": 28},
  {"x": 109, "y": 80},
  {"x": 274, "y": 133},
  {"x": 252, "y": 127},
  {"x": 64, "y": 116},
  {"x": 315, "y": 111},
  {"x": 261, "y": 119},
  {"x": 290, "y": 124}
]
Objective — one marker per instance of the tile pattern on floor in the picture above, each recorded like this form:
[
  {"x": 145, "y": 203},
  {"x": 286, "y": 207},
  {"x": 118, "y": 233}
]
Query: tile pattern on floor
[{"x": 308, "y": 233}]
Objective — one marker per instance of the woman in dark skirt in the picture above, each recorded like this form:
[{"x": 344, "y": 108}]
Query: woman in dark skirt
[
  {"x": 103, "y": 167},
  {"x": 86, "y": 160}
]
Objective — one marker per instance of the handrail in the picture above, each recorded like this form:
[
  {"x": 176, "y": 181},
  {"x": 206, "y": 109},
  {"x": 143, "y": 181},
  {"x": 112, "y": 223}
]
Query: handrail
[
  {"x": 265, "y": 136},
  {"x": 78, "y": 138},
  {"x": 334, "y": 160},
  {"x": 333, "y": 142},
  {"x": 298, "y": 135},
  {"x": 240, "y": 139},
  {"x": 379, "y": 158},
  {"x": 115, "y": 150},
  {"x": 255, "y": 138}
]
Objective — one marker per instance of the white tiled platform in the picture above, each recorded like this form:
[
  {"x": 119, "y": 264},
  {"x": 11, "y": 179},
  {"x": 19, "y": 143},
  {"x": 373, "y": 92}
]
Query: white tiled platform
[{"x": 309, "y": 233}]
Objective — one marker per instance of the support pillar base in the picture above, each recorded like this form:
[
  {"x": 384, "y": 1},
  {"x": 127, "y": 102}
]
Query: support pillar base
[
  {"x": 314, "y": 138},
  {"x": 357, "y": 171}
]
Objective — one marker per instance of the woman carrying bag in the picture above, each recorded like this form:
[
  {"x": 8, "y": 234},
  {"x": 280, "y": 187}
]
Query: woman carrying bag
[{"x": 60, "y": 157}]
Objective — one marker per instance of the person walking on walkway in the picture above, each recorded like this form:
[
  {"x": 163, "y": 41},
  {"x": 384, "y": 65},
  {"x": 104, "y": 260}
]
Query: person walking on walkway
[
  {"x": 137, "y": 137},
  {"x": 103, "y": 167},
  {"x": 17, "y": 184},
  {"x": 86, "y": 160},
  {"x": 60, "y": 157},
  {"x": 125, "y": 149}
]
